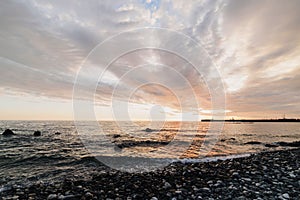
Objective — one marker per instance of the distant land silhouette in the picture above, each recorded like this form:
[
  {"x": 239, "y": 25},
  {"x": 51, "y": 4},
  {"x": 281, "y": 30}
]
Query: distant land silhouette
[{"x": 253, "y": 120}]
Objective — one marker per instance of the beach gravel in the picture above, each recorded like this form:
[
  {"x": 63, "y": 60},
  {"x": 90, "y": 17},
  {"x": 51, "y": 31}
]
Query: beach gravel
[{"x": 267, "y": 175}]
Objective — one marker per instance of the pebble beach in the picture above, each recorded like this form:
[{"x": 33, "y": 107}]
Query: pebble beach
[{"x": 266, "y": 175}]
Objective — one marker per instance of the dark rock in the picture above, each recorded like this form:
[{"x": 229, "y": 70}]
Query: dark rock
[
  {"x": 148, "y": 130},
  {"x": 126, "y": 144},
  {"x": 167, "y": 185},
  {"x": 235, "y": 175},
  {"x": 253, "y": 142},
  {"x": 8, "y": 132},
  {"x": 271, "y": 145},
  {"x": 68, "y": 197},
  {"x": 37, "y": 133},
  {"x": 289, "y": 144},
  {"x": 52, "y": 197},
  {"x": 116, "y": 136},
  {"x": 57, "y": 133},
  {"x": 88, "y": 195}
]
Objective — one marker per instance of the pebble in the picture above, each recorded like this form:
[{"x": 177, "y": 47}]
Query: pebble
[
  {"x": 88, "y": 195},
  {"x": 167, "y": 185},
  {"x": 286, "y": 196},
  {"x": 52, "y": 196},
  {"x": 67, "y": 197},
  {"x": 219, "y": 180},
  {"x": 247, "y": 179},
  {"x": 292, "y": 175},
  {"x": 235, "y": 175},
  {"x": 205, "y": 189}
]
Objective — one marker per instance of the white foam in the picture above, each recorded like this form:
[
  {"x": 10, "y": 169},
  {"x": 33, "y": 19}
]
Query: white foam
[{"x": 211, "y": 159}]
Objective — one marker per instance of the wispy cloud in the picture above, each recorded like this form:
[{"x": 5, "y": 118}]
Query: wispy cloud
[{"x": 254, "y": 43}]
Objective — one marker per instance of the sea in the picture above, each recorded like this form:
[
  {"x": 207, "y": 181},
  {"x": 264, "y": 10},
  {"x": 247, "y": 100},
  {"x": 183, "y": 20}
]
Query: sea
[{"x": 68, "y": 148}]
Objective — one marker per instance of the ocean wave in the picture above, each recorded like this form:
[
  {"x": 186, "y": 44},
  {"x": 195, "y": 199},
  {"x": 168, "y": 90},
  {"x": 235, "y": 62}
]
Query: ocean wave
[{"x": 211, "y": 159}]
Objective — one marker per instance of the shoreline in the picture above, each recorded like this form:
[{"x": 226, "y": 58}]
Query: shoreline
[{"x": 266, "y": 175}]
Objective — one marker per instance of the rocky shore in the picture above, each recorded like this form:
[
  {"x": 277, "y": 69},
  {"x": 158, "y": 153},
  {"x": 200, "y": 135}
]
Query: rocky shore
[{"x": 267, "y": 175}]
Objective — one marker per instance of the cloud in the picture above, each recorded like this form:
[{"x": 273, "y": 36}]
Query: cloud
[{"x": 255, "y": 45}]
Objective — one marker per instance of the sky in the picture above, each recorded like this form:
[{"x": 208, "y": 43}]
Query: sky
[{"x": 254, "y": 45}]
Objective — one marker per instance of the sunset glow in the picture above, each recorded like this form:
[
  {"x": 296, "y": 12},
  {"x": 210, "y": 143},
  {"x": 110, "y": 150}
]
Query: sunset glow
[{"x": 254, "y": 44}]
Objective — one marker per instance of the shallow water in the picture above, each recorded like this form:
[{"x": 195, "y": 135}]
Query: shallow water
[{"x": 25, "y": 157}]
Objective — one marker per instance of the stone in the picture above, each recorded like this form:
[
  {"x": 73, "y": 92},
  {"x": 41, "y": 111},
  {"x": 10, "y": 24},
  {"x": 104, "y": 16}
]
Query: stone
[
  {"x": 292, "y": 175},
  {"x": 8, "y": 132},
  {"x": 247, "y": 179},
  {"x": 271, "y": 145},
  {"x": 37, "y": 133},
  {"x": 286, "y": 196},
  {"x": 167, "y": 185},
  {"x": 116, "y": 135},
  {"x": 235, "y": 175},
  {"x": 253, "y": 142},
  {"x": 148, "y": 130},
  {"x": 16, "y": 197},
  {"x": 52, "y": 197},
  {"x": 88, "y": 195},
  {"x": 205, "y": 189},
  {"x": 67, "y": 197}
]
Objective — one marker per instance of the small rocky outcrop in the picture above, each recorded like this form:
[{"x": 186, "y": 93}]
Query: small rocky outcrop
[
  {"x": 253, "y": 142},
  {"x": 8, "y": 132},
  {"x": 37, "y": 133},
  {"x": 116, "y": 136},
  {"x": 148, "y": 130},
  {"x": 271, "y": 145}
]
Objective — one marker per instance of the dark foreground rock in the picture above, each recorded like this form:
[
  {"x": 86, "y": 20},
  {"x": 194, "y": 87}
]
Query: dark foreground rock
[
  {"x": 37, "y": 133},
  {"x": 8, "y": 132},
  {"x": 268, "y": 175},
  {"x": 289, "y": 144}
]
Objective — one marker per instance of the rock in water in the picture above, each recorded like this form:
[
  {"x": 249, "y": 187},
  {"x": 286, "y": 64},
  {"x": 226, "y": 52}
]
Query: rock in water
[
  {"x": 253, "y": 142},
  {"x": 57, "y": 133},
  {"x": 116, "y": 135},
  {"x": 37, "y": 133},
  {"x": 289, "y": 144},
  {"x": 8, "y": 132},
  {"x": 148, "y": 130},
  {"x": 271, "y": 145}
]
